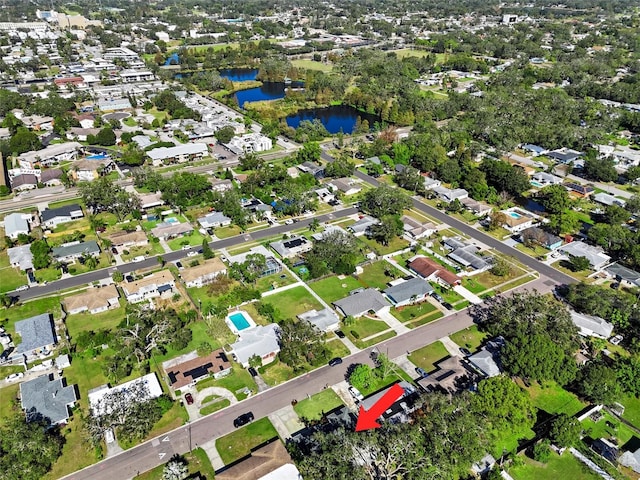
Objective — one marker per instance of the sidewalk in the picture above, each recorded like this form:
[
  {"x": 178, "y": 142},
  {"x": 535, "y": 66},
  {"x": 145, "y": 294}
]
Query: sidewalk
[
  {"x": 452, "y": 347},
  {"x": 406, "y": 365},
  {"x": 211, "y": 451},
  {"x": 165, "y": 245},
  {"x": 393, "y": 322}
]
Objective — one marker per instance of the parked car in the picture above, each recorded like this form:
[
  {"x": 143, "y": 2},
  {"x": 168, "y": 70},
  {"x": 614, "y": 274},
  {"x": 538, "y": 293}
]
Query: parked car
[
  {"x": 355, "y": 393},
  {"x": 192, "y": 254},
  {"x": 253, "y": 372},
  {"x": 438, "y": 297},
  {"x": 22, "y": 288},
  {"x": 139, "y": 258},
  {"x": 335, "y": 361},
  {"x": 465, "y": 351},
  {"x": 15, "y": 376},
  {"x": 288, "y": 221},
  {"x": 447, "y": 305},
  {"x": 179, "y": 265},
  {"x": 340, "y": 334},
  {"x": 421, "y": 372},
  {"x": 114, "y": 250},
  {"x": 243, "y": 419},
  {"x": 616, "y": 340},
  {"x": 189, "y": 398},
  {"x": 186, "y": 247}
]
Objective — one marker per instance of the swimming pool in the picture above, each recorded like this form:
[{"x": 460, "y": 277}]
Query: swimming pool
[
  {"x": 171, "y": 220},
  {"x": 100, "y": 156},
  {"x": 536, "y": 184},
  {"x": 240, "y": 320},
  {"x": 514, "y": 215}
]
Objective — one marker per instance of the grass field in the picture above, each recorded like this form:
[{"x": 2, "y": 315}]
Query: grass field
[
  {"x": 470, "y": 338},
  {"x": 374, "y": 275},
  {"x": 277, "y": 372},
  {"x": 426, "y": 357},
  {"x": 552, "y": 398},
  {"x": 238, "y": 444},
  {"x": 197, "y": 462},
  {"x": 77, "y": 453},
  {"x": 375, "y": 340},
  {"x": 312, "y": 65},
  {"x": 238, "y": 379},
  {"x": 608, "y": 427},
  {"x": 86, "y": 321},
  {"x": 565, "y": 466},
  {"x": 333, "y": 288},
  {"x": 29, "y": 309},
  {"x": 410, "y": 313},
  {"x": 397, "y": 243},
  {"x": 293, "y": 302},
  {"x": 194, "y": 240},
  {"x": 215, "y": 406},
  {"x": 323, "y": 402},
  {"x": 365, "y": 327},
  {"x": 631, "y": 409}
]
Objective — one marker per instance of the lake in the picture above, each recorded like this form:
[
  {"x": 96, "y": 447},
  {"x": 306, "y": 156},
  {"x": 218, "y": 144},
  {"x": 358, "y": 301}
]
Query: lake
[
  {"x": 333, "y": 118},
  {"x": 267, "y": 91},
  {"x": 239, "y": 74}
]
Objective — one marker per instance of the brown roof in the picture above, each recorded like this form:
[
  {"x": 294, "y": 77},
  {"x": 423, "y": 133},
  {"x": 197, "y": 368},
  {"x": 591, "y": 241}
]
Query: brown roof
[
  {"x": 92, "y": 298},
  {"x": 122, "y": 237},
  {"x": 426, "y": 267},
  {"x": 184, "y": 373},
  {"x": 212, "y": 265},
  {"x": 446, "y": 377},
  {"x": 262, "y": 461}
]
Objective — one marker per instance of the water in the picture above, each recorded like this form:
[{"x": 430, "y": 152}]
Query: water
[
  {"x": 101, "y": 156},
  {"x": 533, "y": 206},
  {"x": 333, "y": 118},
  {"x": 172, "y": 59},
  {"x": 239, "y": 74},
  {"x": 267, "y": 91},
  {"x": 239, "y": 321},
  {"x": 171, "y": 220}
]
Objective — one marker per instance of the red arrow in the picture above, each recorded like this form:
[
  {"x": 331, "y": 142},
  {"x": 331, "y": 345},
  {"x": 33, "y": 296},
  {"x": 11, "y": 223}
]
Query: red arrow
[{"x": 367, "y": 418}]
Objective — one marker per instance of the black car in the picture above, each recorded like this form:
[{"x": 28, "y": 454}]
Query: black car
[
  {"x": 335, "y": 361},
  {"x": 243, "y": 419},
  {"x": 114, "y": 250},
  {"x": 340, "y": 334},
  {"x": 253, "y": 372},
  {"x": 447, "y": 305},
  {"x": 465, "y": 351}
]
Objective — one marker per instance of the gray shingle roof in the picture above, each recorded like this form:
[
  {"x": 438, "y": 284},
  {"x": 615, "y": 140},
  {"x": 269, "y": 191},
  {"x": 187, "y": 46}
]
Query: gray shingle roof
[
  {"x": 35, "y": 332},
  {"x": 65, "y": 211},
  {"x": 485, "y": 362},
  {"x": 14, "y": 224},
  {"x": 359, "y": 303},
  {"x": 22, "y": 256},
  {"x": 77, "y": 249},
  {"x": 405, "y": 290},
  {"x": 45, "y": 398},
  {"x": 322, "y": 320}
]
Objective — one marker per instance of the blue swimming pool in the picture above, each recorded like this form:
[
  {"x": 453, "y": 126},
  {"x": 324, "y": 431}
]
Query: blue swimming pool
[
  {"x": 171, "y": 220},
  {"x": 514, "y": 215},
  {"x": 100, "y": 156},
  {"x": 239, "y": 321}
]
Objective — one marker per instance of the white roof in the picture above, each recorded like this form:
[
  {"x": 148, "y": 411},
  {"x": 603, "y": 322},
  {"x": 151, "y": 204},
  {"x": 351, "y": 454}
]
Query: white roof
[
  {"x": 288, "y": 471},
  {"x": 15, "y": 223},
  {"x": 97, "y": 395},
  {"x": 170, "y": 152},
  {"x": 595, "y": 255},
  {"x": 50, "y": 151},
  {"x": 22, "y": 256},
  {"x": 590, "y": 325},
  {"x": 260, "y": 340}
]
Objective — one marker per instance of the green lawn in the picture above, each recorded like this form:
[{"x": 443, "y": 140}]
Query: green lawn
[
  {"x": 449, "y": 295},
  {"x": 12, "y": 278},
  {"x": 470, "y": 338},
  {"x": 471, "y": 284},
  {"x": 85, "y": 321},
  {"x": 215, "y": 406},
  {"x": 277, "y": 372},
  {"x": 153, "y": 248},
  {"x": 410, "y": 313},
  {"x": 337, "y": 349},
  {"x": 332, "y": 288},
  {"x": 293, "y": 302},
  {"x": 226, "y": 232},
  {"x": 397, "y": 243},
  {"x": 238, "y": 444},
  {"x": 311, "y": 65},
  {"x": 375, "y": 340},
  {"x": 198, "y": 463},
  {"x": 426, "y": 357},
  {"x": 424, "y": 320},
  {"x": 77, "y": 453},
  {"x": 380, "y": 383},
  {"x": 9, "y": 396},
  {"x": 374, "y": 275},
  {"x": 631, "y": 409},
  {"x": 270, "y": 282},
  {"x": 174, "y": 418},
  {"x": 29, "y": 309},
  {"x": 313, "y": 408},
  {"x": 194, "y": 239},
  {"x": 552, "y": 398},
  {"x": 600, "y": 429},
  {"x": 364, "y": 327},
  {"x": 48, "y": 274},
  {"x": 565, "y": 467},
  {"x": 237, "y": 380}
]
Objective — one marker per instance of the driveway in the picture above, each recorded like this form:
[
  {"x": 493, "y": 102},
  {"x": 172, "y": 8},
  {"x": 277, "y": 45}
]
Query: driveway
[{"x": 194, "y": 409}]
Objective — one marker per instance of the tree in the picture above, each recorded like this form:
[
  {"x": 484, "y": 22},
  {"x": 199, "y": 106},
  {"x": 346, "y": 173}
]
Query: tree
[
  {"x": 475, "y": 182},
  {"x": 384, "y": 200},
  {"x": 554, "y": 198},
  {"x": 207, "y": 253},
  {"x": 24, "y": 140},
  {"x": 225, "y": 134},
  {"x": 389, "y": 227},
  {"x": 255, "y": 361},
  {"x": 409, "y": 178},
  {"x": 600, "y": 169},
  {"x": 616, "y": 215},
  {"x": 249, "y": 270},
  {"x": 102, "y": 195},
  {"x": 117, "y": 276},
  {"x": 175, "y": 469},
  {"x": 40, "y": 250},
  {"x": 301, "y": 343},
  {"x": 565, "y": 431},
  {"x": 633, "y": 204},
  {"x": 251, "y": 161},
  {"x": 496, "y": 220},
  {"x": 27, "y": 449},
  {"x": 5, "y": 300},
  {"x": 340, "y": 167},
  {"x": 105, "y": 137},
  {"x": 628, "y": 374},
  {"x": 501, "y": 267},
  {"x": 310, "y": 152},
  {"x": 336, "y": 252},
  {"x": 362, "y": 376},
  {"x": 578, "y": 264},
  {"x": 598, "y": 383},
  {"x": 504, "y": 405}
]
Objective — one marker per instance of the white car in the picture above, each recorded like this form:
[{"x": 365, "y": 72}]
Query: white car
[
  {"x": 288, "y": 222},
  {"x": 139, "y": 258},
  {"x": 22, "y": 288},
  {"x": 355, "y": 393},
  {"x": 15, "y": 376},
  {"x": 192, "y": 254}
]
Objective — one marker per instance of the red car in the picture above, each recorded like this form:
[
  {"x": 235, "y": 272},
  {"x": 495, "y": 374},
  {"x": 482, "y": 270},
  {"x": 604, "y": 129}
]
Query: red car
[{"x": 189, "y": 398}]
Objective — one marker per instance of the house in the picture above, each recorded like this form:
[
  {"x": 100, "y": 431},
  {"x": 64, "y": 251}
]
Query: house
[
  {"x": 606, "y": 199},
  {"x": 261, "y": 340},
  {"x": 221, "y": 186},
  {"x": 53, "y": 217},
  {"x": 359, "y": 303},
  {"x": 431, "y": 270},
  {"x": 204, "y": 273},
  {"x": 88, "y": 170},
  {"x": 21, "y": 257},
  {"x": 596, "y": 256},
  {"x": 16, "y": 224},
  {"x": 48, "y": 156},
  {"x": 251, "y": 142},
  {"x": 479, "y": 209},
  {"x": 93, "y": 300},
  {"x": 150, "y": 200},
  {"x": 180, "y": 154},
  {"x": 24, "y": 181},
  {"x": 606, "y": 450},
  {"x": 591, "y": 325},
  {"x": 214, "y": 219},
  {"x": 452, "y": 376},
  {"x": 51, "y": 176},
  {"x": 362, "y": 225},
  {"x": 631, "y": 460},
  {"x": 139, "y": 390},
  {"x": 579, "y": 190},
  {"x": 187, "y": 372},
  {"x": 448, "y": 195},
  {"x": 270, "y": 461},
  {"x": 541, "y": 237},
  {"x": 398, "y": 411},
  {"x": 114, "y": 104},
  {"x": 272, "y": 265},
  {"x": 37, "y": 122},
  {"x": 624, "y": 275},
  {"x": 487, "y": 359},
  {"x": 543, "y": 179},
  {"x": 291, "y": 247},
  {"x": 516, "y": 220},
  {"x": 431, "y": 183},
  {"x": 347, "y": 186},
  {"x": 415, "y": 229},
  {"x": 324, "y": 320},
  {"x": 48, "y": 399},
  {"x": 37, "y": 335},
  {"x": 151, "y": 286},
  {"x": 535, "y": 150},
  {"x": 130, "y": 76},
  {"x": 69, "y": 252},
  {"x": 467, "y": 256},
  {"x": 168, "y": 230},
  {"x": 407, "y": 292},
  {"x": 313, "y": 168},
  {"x": 328, "y": 230},
  {"x": 81, "y": 134},
  {"x": 564, "y": 155},
  {"x": 121, "y": 240}
]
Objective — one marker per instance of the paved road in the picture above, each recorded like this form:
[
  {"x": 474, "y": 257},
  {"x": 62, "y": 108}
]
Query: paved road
[{"x": 97, "y": 275}]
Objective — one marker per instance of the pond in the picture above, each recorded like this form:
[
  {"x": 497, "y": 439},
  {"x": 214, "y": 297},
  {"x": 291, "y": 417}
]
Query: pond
[
  {"x": 239, "y": 74},
  {"x": 333, "y": 118},
  {"x": 267, "y": 91}
]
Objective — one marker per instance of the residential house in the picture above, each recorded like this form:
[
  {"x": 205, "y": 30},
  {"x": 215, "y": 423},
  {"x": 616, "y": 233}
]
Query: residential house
[
  {"x": 37, "y": 335},
  {"x": 16, "y": 224},
  {"x": 37, "y": 122},
  {"x": 51, "y": 155},
  {"x": 631, "y": 460},
  {"x": 606, "y": 199},
  {"x": 415, "y": 229},
  {"x": 465, "y": 254},
  {"x": 488, "y": 358},
  {"x": 431, "y": 270},
  {"x": 184, "y": 373},
  {"x": 50, "y": 218},
  {"x": 407, "y": 292},
  {"x": 272, "y": 265},
  {"x": 51, "y": 176},
  {"x": 543, "y": 179},
  {"x": 357, "y": 304},
  {"x": 142, "y": 141},
  {"x": 150, "y": 200},
  {"x": 312, "y": 168},
  {"x": 347, "y": 186},
  {"x": 252, "y": 142},
  {"x": 214, "y": 219},
  {"x": 328, "y": 230},
  {"x": 541, "y": 237},
  {"x": 70, "y": 252},
  {"x": 579, "y": 190},
  {"x": 88, "y": 170},
  {"x": 47, "y": 398},
  {"x": 292, "y": 247},
  {"x": 479, "y": 209},
  {"x": 140, "y": 389},
  {"x": 24, "y": 181},
  {"x": 591, "y": 325},
  {"x": 261, "y": 340},
  {"x": 114, "y": 104},
  {"x": 564, "y": 155},
  {"x": 517, "y": 220},
  {"x": 221, "y": 186},
  {"x": 122, "y": 240},
  {"x": 167, "y": 230},
  {"x": 269, "y": 461},
  {"x": 452, "y": 376},
  {"x": 431, "y": 183},
  {"x": 448, "y": 195},
  {"x": 399, "y": 410},
  {"x": 362, "y": 225},
  {"x": 21, "y": 257},
  {"x": 204, "y": 273},
  {"x": 324, "y": 320},
  {"x": 180, "y": 154},
  {"x": 626, "y": 276},
  {"x": 535, "y": 150},
  {"x": 121, "y": 53},
  {"x": 93, "y": 300},
  {"x": 130, "y": 76},
  {"x": 81, "y": 134},
  {"x": 152, "y": 286},
  {"x": 606, "y": 450},
  {"x": 596, "y": 256}
]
